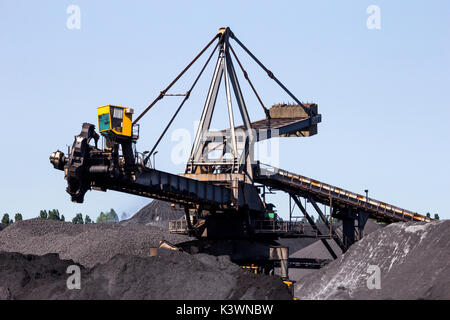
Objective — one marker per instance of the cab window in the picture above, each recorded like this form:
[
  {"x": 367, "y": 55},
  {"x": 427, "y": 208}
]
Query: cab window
[
  {"x": 103, "y": 121},
  {"x": 117, "y": 118}
]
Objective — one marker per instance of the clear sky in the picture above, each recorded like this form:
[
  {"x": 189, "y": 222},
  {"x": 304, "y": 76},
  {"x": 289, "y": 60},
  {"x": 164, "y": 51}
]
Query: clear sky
[{"x": 383, "y": 93}]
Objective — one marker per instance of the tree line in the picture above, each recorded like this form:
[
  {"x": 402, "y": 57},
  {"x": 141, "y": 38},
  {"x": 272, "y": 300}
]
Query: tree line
[
  {"x": 436, "y": 216},
  {"x": 108, "y": 216},
  {"x": 7, "y": 221}
]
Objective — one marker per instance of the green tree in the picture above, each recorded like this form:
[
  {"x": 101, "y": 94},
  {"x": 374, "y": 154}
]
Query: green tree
[
  {"x": 428, "y": 215},
  {"x": 101, "y": 218},
  {"x": 53, "y": 214},
  {"x": 78, "y": 219},
  {"x": 43, "y": 214},
  {"x": 63, "y": 218},
  {"x": 110, "y": 216},
  {"x": 5, "y": 220},
  {"x": 436, "y": 216},
  {"x": 18, "y": 217},
  {"x": 87, "y": 219}
]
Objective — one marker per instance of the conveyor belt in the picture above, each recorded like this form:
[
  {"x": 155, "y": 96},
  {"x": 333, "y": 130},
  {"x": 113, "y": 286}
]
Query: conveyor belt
[{"x": 322, "y": 192}]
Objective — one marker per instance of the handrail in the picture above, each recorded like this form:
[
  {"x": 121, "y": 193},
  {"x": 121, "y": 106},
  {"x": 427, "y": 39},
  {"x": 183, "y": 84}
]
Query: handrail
[{"x": 327, "y": 189}]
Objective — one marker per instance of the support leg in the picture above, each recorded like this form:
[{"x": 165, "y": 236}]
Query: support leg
[{"x": 313, "y": 225}]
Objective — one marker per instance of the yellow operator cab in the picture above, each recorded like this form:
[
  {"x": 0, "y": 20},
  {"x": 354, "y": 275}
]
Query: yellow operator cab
[{"x": 115, "y": 120}]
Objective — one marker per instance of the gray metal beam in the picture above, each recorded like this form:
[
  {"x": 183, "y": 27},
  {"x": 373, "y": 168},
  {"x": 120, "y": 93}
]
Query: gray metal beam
[
  {"x": 170, "y": 187},
  {"x": 230, "y": 109},
  {"x": 246, "y": 156},
  {"x": 336, "y": 237},
  {"x": 208, "y": 109},
  {"x": 237, "y": 91},
  {"x": 311, "y": 222}
]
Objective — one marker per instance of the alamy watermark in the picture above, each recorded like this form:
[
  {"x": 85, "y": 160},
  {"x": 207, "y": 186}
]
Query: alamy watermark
[
  {"x": 216, "y": 145},
  {"x": 73, "y": 21},
  {"x": 374, "y": 279},
  {"x": 374, "y": 19},
  {"x": 74, "y": 280}
]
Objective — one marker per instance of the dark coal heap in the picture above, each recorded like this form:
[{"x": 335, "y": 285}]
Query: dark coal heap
[{"x": 156, "y": 213}]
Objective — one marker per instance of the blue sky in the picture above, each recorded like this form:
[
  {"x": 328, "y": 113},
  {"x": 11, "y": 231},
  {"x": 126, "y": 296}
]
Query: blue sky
[{"x": 383, "y": 94}]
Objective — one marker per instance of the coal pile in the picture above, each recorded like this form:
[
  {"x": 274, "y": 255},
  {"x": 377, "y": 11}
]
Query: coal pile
[
  {"x": 115, "y": 264},
  {"x": 88, "y": 244},
  {"x": 313, "y": 248},
  {"x": 156, "y": 213},
  {"x": 31, "y": 277},
  {"x": 413, "y": 259},
  {"x": 296, "y": 244},
  {"x": 170, "y": 275}
]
